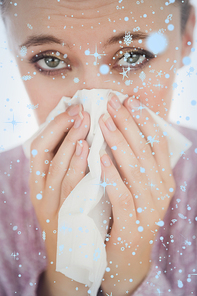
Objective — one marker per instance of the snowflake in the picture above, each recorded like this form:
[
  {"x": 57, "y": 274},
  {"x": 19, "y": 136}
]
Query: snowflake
[
  {"x": 44, "y": 235},
  {"x": 32, "y": 106},
  {"x": 23, "y": 51},
  {"x": 174, "y": 221},
  {"x": 159, "y": 73},
  {"x": 158, "y": 274},
  {"x": 182, "y": 216},
  {"x": 151, "y": 140},
  {"x": 142, "y": 76},
  {"x": 183, "y": 187},
  {"x": 124, "y": 73},
  {"x": 97, "y": 254},
  {"x": 126, "y": 56},
  {"x": 128, "y": 82},
  {"x": 136, "y": 29},
  {"x": 159, "y": 292},
  {"x": 15, "y": 255},
  {"x": 189, "y": 74},
  {"x": 187, "y": 242},
  {"x": 127, "y": 38},
  {"x": 29, "y": 26},
  {"x": 161, "y": 31},
  {"x": 163, "y": 197},
  {"x": 26, "y": 77},
  {"x": 95, "y": 54}
]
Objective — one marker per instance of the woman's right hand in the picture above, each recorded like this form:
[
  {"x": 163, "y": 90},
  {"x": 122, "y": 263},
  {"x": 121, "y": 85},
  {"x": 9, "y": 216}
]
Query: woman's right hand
[{"x": 55, "y": 170}]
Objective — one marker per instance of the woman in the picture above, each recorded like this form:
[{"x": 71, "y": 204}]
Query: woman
[{"x": 57, "y": 43}]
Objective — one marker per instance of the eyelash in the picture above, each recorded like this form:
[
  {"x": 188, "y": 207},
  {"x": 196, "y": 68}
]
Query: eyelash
[
  {"x": 44, "y": 55},
  {"x": 132, "y": 51},
  {"x": 138, "y": 52}
]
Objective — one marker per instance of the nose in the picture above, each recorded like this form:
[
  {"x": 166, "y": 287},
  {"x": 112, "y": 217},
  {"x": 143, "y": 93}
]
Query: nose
[{"x": 92, "y": 77}]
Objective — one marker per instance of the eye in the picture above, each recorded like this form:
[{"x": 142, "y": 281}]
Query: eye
[
  {"x": 131, "y": 59},
  {"x": 50, "y": 63},
  {"x": 135, "y": 58}
]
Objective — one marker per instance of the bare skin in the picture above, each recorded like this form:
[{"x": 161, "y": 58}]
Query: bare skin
[{"x": 82, "y": 25}]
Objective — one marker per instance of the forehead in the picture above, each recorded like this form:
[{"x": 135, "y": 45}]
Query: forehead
[{"x": 89, "y": 19}]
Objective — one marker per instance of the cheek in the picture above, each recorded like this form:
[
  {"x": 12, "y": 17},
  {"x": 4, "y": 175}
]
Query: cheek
[
  {"x": 158, "y": 99},
  {"x": 46, "y": 92},
  {"x": 154, "y": 85},
  {"x": 45, "y": 89},
  {"x": 155, "y": 93},
  {"x": 46, "y": 95}
]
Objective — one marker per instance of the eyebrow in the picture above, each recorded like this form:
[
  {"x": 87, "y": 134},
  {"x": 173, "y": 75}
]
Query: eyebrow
[
  {"x": 120, "y": 37},
  {"x": 36, "y": 40}
]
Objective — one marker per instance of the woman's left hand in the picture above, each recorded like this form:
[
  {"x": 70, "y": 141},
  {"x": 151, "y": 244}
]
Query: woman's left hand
[{"x": 139, "y": 191}]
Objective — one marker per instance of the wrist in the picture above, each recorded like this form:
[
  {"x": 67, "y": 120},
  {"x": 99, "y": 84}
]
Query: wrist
[
  {"x": 120, "y": 285},
  {"x": 125, "y": 277}
]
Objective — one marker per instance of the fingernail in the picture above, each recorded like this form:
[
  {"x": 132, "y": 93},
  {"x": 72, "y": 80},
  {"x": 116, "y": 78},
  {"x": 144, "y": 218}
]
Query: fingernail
[
  {"x": 114, "y": 102},
  {"x": 74, "y": 110},
  {"x": 109, "y": 122},
  {"x": 78, "y": 120},
  {"x": 79, "y": 148},
  {"x": 133, "y": 103},
  {"x": 104, "y": 158}
]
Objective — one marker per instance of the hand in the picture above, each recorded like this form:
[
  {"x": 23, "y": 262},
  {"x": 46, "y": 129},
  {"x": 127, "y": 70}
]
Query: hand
[
  {"x": 144, "y": 186},
  {"x": 55, "y": 171}
]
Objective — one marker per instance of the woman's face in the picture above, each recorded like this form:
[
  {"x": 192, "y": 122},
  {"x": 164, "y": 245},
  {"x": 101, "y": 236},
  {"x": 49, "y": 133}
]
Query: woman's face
[{"x": 88, "y": 35}]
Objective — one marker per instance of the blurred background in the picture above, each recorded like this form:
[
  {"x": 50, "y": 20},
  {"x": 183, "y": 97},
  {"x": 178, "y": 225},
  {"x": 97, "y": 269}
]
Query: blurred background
[{"x": 17, "y": 120}]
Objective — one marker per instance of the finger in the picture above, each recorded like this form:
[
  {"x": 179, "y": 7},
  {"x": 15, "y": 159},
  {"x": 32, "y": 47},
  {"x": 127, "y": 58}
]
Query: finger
[
  {"x": 123, "y": 207},
  {"x": 134, "y": 137},
  {"x": 49, "y": 139},
  {"x": 55, "y": 131},
  {"x": 76, "y": 170},
  {"x": 154, "y": 135},
  {"x": 61, "y": 161},
  {"x": 42, "y": 150},
  {"x": 127, "y": 163}
]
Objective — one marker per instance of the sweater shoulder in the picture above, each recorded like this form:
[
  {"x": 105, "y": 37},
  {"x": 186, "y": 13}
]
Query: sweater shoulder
[
  {"x": 14, "y": 173},
  {"x": 189, "y": 133},
  {"x": 11, "y": 156}
]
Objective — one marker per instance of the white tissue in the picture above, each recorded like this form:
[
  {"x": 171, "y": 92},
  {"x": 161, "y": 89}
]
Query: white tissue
[{"x": 84, "y": 216}]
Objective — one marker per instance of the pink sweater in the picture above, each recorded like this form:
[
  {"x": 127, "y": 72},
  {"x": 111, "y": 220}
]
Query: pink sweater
[{"x": 22, "y": 249}]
